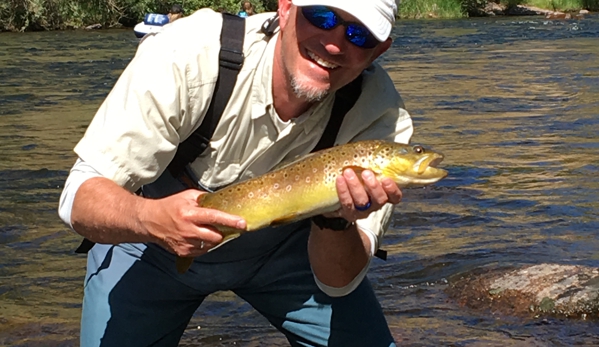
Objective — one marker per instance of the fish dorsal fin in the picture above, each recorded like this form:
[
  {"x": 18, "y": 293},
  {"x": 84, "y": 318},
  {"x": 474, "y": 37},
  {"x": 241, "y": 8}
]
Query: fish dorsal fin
[{"x": 292, "y": 161}]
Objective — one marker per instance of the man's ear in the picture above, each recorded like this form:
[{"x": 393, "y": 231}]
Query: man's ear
[
  {"x": 382, "y": 48},
  {"x": 284, "y": 8},
  {"x": 385, "y": 46}
]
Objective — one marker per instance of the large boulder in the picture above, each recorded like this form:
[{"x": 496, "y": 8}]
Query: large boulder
[{"x": 533, "y": 290}]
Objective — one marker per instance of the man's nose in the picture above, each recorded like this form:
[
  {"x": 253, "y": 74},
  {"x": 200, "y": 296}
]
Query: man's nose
[{"x": 334, "y": 40}]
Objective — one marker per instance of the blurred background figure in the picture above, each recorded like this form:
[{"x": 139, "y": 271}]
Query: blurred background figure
[
  {"x": 247, "y": 9},
  {"x": 175, "y": 13}
]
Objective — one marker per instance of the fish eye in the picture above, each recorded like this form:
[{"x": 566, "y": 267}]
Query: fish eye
[{"x": 418, "y": 149}]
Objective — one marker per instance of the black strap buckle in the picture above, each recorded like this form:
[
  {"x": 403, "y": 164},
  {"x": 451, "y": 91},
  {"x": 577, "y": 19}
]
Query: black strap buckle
[{"x": 381, "y": 254}]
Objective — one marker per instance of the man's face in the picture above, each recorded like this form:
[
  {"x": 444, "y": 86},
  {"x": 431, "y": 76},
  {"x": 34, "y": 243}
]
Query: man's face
[{"x": 317, "y": 62}]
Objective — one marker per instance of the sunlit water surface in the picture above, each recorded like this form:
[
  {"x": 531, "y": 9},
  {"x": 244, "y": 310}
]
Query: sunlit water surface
[{"x": 513, "y": 103}]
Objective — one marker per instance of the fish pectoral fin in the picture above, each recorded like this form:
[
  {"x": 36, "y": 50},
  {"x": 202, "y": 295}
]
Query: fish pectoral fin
[
  {"x": 357, "y": 169},
  {"x": 230, "y": 237},
  {"x": 183, "y": 264}
]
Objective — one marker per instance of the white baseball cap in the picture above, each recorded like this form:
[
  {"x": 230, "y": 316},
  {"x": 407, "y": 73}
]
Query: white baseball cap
[{"x": 377, "y": 15}]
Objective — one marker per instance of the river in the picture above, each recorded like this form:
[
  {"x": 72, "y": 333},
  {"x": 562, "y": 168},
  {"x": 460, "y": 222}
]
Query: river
[{"x": 513, "y": 103}]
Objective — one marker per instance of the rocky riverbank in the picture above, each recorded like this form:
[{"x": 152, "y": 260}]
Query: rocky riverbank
[{"x": 495, "y": 9}]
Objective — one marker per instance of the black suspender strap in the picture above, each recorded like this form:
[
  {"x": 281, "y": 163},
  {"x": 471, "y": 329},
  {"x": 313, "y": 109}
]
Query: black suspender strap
[
  {"x": 85, "y": 246},
  {"x": 230, "y": 62},
  {"x": 345, "y": 98}
]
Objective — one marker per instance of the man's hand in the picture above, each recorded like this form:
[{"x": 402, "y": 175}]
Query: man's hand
[
  {"x": 104, "y": 212},
  {"x": 178, "y": 224},
  {"x": 337, "y": 257},
  {"x": 358, "y": 191}
]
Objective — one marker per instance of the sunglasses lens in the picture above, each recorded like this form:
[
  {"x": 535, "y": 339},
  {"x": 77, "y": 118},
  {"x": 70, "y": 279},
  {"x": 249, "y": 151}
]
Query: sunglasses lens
[
  {"x": 324, "y": 18},
  {"x": 320, "y": 17},
  {"x": 357, "y": 35}
]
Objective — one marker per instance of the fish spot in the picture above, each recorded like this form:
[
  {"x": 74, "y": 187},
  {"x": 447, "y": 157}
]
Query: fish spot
[
  {"x": 276, "y": 186},
  {"x": 307, "y": 179},
  {"x": 288, "y": 188},
  {"x": 297, "y": 177},
  {"x": 250, "y": 195}
]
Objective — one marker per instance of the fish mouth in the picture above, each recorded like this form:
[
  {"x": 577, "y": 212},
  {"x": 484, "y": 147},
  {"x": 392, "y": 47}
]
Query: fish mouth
[{"x": 426, "y": 167}]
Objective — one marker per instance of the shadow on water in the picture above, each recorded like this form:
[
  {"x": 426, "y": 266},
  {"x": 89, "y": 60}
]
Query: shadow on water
[{"x": 511, "y": 102}]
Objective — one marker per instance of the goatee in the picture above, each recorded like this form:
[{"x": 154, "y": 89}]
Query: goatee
[{"x": 306, "y": 92}]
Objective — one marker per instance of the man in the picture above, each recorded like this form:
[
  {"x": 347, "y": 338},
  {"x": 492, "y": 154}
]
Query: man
[
  {"x": 247, "y": 9},
  {"x": 307, "y": 280}
]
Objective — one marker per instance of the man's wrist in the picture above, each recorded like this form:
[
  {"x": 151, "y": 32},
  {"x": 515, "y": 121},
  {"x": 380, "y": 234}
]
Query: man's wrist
[{"x": 337, "y": 224}]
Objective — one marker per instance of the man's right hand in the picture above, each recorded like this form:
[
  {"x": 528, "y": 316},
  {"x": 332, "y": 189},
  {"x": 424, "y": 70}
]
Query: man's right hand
[
  {"x": 104, "y": 212},
  {"x": 178, "y": 224}
]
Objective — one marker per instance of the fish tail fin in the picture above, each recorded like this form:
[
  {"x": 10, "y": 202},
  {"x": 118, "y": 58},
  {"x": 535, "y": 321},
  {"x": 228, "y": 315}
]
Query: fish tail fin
[{"x": 183, "y": 264}]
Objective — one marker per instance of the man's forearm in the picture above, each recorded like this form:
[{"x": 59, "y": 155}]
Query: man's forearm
[
  {"x": 337, "y": 257},
  {"x": 104, "y": 212}
]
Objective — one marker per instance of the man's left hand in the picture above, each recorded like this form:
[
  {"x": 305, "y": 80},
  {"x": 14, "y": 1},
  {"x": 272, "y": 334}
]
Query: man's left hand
[{"x": 357, "y": 192}]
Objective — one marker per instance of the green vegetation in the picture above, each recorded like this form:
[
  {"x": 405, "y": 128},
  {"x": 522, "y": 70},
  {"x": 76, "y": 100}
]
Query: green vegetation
[
  {"x": 555, "y": 5},
  {"x": 29, "y": 15},
  {"x": 26, "y": 15},
  {"x": 417, "y": 9}
]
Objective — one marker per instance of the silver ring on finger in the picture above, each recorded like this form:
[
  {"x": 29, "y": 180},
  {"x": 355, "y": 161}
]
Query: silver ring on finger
[{"x": 202, "y": 245}]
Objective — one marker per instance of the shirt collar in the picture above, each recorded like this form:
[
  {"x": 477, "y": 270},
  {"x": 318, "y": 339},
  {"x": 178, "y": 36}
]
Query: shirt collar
[
  {"x": 319, "y": 112},
  {"x": 262, "y": 83}
]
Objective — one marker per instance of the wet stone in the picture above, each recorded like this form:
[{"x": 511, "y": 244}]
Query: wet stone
[{"x": 536, "y": 290}]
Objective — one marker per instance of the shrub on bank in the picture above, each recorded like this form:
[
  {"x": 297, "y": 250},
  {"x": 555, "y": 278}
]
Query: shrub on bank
[
  {"x": 417, "y": 9},
  {"x": 29, "y": 15}
]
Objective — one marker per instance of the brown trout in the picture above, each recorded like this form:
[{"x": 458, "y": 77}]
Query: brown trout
[{"x": 306, "y": 187}]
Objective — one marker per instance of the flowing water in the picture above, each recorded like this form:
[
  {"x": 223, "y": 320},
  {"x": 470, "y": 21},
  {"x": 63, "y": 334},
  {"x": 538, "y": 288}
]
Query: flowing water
[{"x": 513, "y": 103}]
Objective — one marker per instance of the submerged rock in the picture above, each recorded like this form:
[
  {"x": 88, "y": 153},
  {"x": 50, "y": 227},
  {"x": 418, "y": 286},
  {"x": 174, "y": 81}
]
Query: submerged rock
[
  {"x": 93, "y": 27},
  {"x": 536, "y": 290}
]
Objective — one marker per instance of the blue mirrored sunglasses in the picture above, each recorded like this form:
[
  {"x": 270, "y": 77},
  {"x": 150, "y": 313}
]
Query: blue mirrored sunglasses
[{"x": 325, "y": 18}]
